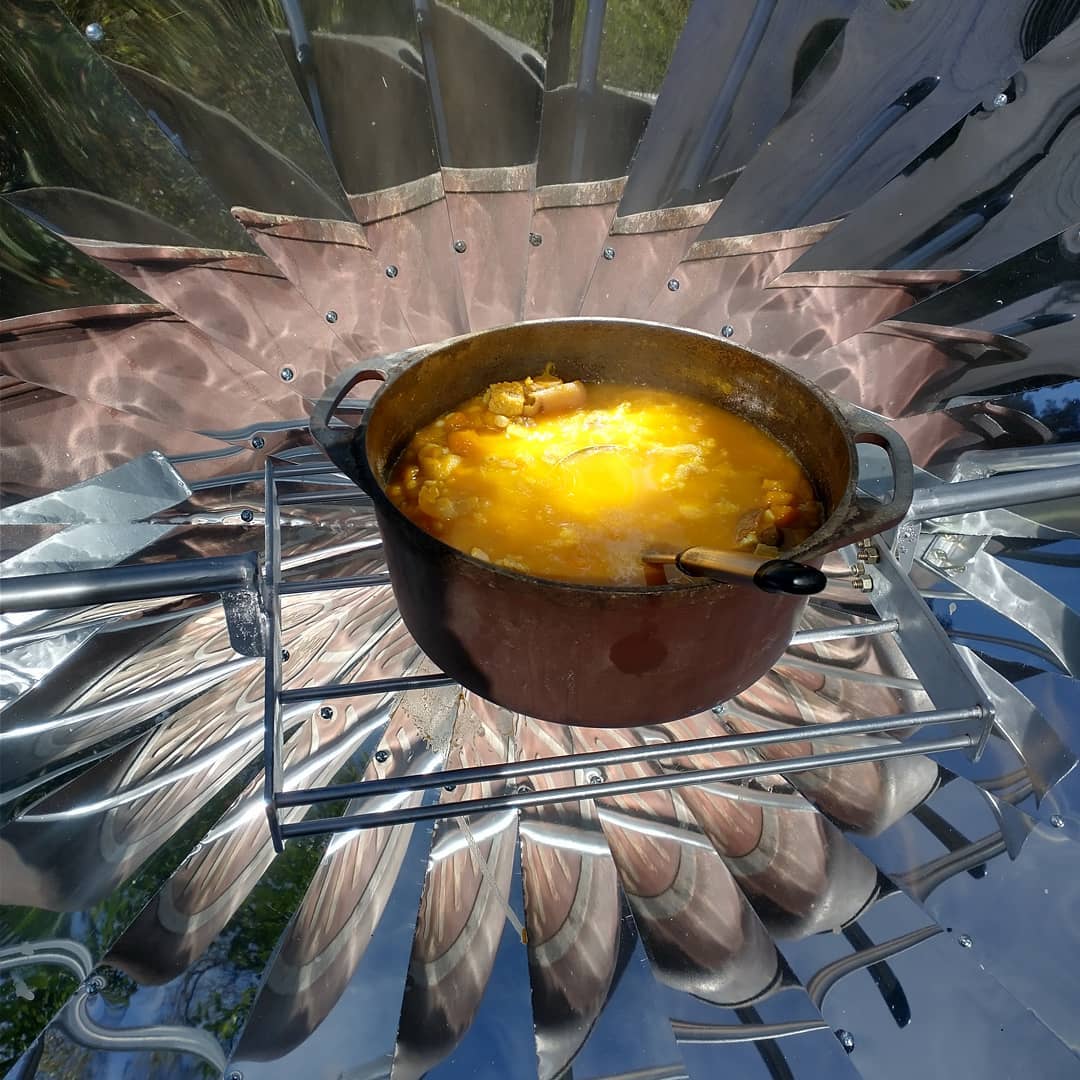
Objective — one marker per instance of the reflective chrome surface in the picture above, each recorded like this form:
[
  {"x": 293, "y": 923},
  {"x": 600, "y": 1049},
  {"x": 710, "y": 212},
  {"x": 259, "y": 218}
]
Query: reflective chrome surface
[{"x": 208, "y": 210}]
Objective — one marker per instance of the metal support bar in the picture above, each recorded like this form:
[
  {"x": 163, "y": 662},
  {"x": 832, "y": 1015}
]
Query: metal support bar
[
  {"x": 856, "y": 630},
  {"x": 330, "y": 495},
  {"x": 330, "y": 584},
  {"x": 926, "y": 646},
  {"x": 624, "y": 755},
  {"x": 121, "y": 584},
  {"x": 577, "y": 793},
  {"x": 273, "y": 737},
  {"x": 996, "y": 492},
  {"x": 356, "y": 689}
]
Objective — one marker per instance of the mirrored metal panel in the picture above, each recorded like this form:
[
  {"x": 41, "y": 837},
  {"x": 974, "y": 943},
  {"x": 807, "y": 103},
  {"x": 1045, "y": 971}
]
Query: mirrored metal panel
[
  {"x": 899, "y": 78},
  {"x": 44, "y": 273},
  {"x": 485, "y": 68},
  {"x": 1001, "y": 178},
  {"x": 360, "y": 70},
  {"x": 1007, "y": 331},
  {"x": 81, "y": 153},
  {"x": 90, "y": 164},
  {"x": 606, "y": 66},
  {"x": 211, "y": 78},
  {"x": 737, "y": 70}
]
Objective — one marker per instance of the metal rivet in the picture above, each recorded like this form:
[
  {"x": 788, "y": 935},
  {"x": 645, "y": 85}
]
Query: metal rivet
[
  {"x": 965, "y": 941},
  {"x": 460, "y": 246},
  {"x": 258, "y": 442},
  {"x": 391, "y": 271},
  {"x": 94, "y": 32},
  {"x": 449, "y": 787},
  {"x": 727, "y": 331},
  {"x": 535, "y": 239},
  {"x": 287, "y": 374},
  {"x": 609, "y": 253},
  {"x": 847, "y": 1040},
  {"x": 673, "y": 284},
  {"x": 247, "y": 515},
  {"x": 382, "y": 756},
  {"x": 331, "y": 316},
  {"x": 594, "y": 776},
  {"x": 1057, "y": 821},
  {"x": 285, "y": 654},
  {"x": 326, "y": 713},
  {"x": 1000, "y": 101}
]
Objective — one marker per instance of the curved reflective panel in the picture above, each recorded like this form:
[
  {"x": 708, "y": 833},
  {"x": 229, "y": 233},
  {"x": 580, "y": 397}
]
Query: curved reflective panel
[
  {"x": 65, "y": 104},
  {"x": 900, "y": 76},
  {"x": 485, "y": 69},
  {"x": 98, "y": 170},
  {"x": 999, "y": 179},
  {"x": 43, "y": 273},
  {"x": 360, "y": 69},
  {"x": 210, "y": 77},
  {"x": 846, "y": 890},
  {"x": 737, "y": 70},
  {"x": 598, "y": 97},
  {"x": 1008, "y": 330}
]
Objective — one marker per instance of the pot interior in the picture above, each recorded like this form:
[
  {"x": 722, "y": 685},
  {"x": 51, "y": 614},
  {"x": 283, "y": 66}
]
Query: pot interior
[{"x": 799, "y": 417}]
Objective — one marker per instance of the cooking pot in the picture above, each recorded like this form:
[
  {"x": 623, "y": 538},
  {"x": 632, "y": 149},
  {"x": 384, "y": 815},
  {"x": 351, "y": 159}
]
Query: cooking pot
[{"x": 604, "y": 656}]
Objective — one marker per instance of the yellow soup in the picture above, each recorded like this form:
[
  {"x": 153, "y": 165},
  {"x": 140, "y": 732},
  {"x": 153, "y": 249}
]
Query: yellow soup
[{"x": 575, "y": 481}]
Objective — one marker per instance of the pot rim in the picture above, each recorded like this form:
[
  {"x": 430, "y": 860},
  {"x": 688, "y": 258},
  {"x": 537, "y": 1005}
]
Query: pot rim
[{"x": 820, "y": 542}]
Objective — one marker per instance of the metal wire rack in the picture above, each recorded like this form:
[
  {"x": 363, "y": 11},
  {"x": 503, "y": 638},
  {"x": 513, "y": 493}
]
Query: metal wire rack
[{"x": 962, "y": 707}]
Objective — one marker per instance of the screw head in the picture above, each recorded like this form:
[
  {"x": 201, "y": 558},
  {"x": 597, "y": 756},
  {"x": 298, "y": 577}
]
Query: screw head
[
  {"x": 287, "y": 374},
  {"x": 236, "y": 1074},
  {"x": 609, "y": 253},
  {"x": 258, "y": 442},
  {"x": 727, "y": 330},
  {"x": 594, "y": 776},
  {"x": 523, "y": 789},
  {"x": 391, "y": 271},
  {"x": 673, "y": 285},
  {"x": 847, "y": 1040},
  {"x": 449, "y": 787},
  {"x": 1057, "y": 821},
  {"x": 94, "y": 32},
  {"x": 382, "y": 756},
  {"x": 285, "y": 654},
  {"x": 1000, "y": 101},
  {"x": 535, "y": 239},
  {"x": 95, "y": 984},
  {"x": 326, "y": 713},
  {"x": 964, "y": 941},
  {"x": 331, "y": 316},
  {"x": 460, "y": 246},
  {"x": 247, "y": 515}
]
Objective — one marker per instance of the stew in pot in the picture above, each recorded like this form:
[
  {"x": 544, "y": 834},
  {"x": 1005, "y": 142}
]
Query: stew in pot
[{"x": 573, "y": 481}]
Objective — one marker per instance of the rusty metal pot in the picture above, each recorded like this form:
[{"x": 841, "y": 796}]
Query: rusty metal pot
[{"x": 586, "y": 654}]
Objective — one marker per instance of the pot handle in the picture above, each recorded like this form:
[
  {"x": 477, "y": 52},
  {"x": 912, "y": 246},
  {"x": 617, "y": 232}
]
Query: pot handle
[
  {"x": 867, "y": 516},
  {"x": 739, "y": 568},
  {"x": 337, "y": 441}
]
